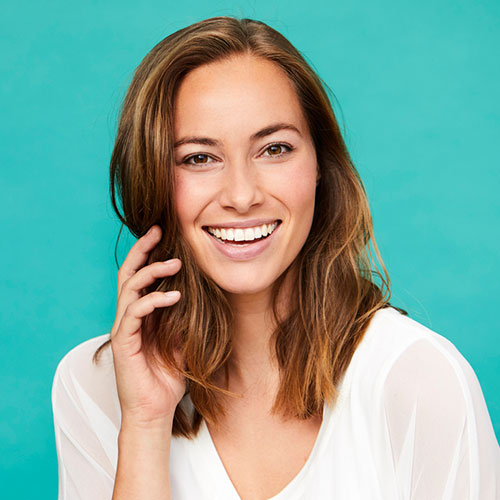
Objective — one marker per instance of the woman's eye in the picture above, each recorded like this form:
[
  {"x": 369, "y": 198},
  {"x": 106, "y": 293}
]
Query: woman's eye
[
  {"x": 273, "y": 150},
  {"x": 198, "y": 159},
  {"x": 277, "y": 150}
]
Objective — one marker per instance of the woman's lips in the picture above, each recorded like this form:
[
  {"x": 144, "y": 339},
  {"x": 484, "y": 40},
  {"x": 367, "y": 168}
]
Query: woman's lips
[{"x": 243, "y": 250}]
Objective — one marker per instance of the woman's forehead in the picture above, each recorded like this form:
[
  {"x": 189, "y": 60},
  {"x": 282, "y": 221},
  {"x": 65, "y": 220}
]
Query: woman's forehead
[{"x": 240, "y": 94}]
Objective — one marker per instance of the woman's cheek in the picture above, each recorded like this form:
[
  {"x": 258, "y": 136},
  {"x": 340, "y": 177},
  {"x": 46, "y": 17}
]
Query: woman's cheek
[{"x": 193, "y": 193}]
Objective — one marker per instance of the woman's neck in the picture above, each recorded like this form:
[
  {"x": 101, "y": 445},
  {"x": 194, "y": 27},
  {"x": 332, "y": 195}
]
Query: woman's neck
[
  {"x": 253, "y": 361},
  {"x": 252, "y": 356}
]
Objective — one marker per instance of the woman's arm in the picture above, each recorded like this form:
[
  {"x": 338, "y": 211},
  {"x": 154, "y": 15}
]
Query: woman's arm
[
  {"x": 148, "y": 394},
  {"x": 143, "y": 463}
]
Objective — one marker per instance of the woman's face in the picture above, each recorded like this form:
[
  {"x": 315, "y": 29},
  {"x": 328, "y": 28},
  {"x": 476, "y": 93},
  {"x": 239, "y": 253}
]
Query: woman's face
[{"x": 245, "y": 171}]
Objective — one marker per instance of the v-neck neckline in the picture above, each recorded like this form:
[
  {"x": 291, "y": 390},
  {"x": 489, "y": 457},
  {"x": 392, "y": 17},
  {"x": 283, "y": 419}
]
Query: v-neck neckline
[
  {"x": 224, "y": 485},
  {"x": 208, "y": 464}
]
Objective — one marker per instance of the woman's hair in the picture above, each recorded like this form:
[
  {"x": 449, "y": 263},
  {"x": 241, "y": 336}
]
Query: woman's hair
[{"x": 335, "y": 289}]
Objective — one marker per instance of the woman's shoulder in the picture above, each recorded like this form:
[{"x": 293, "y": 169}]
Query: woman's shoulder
[
  {"x": 85, "y": 385},
  {"x": 390, "y": 334},
  {"x": 78, "y": 365},
  {"x": 396, "y": 348},
  {"x": 393, "y": 329},
  {"x": 404, "y": 370},
  {"x": 83, "y": 352}
]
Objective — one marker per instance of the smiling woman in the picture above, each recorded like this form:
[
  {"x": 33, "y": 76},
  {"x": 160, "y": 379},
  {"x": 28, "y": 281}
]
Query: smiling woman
[
  {"x": 257, "y": 175},
  {"x": 254, "y": 352}
]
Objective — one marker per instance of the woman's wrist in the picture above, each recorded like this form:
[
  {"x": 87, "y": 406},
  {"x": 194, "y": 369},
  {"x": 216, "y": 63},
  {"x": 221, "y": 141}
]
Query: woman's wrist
[
  {"x": 159, "y": 430},
  {"x": 138, "y": 423}
]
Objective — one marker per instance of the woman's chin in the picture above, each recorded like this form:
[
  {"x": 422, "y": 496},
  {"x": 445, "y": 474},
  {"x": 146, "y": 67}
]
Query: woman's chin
[{"x": 244, "y": 286}]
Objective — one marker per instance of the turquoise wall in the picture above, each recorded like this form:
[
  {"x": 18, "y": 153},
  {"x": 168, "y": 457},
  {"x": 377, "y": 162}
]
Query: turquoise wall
[{"x": 417, "y": 90}]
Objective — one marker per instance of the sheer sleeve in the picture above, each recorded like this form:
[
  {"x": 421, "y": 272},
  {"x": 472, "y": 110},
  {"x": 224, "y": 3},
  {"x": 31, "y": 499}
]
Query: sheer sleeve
[
  {"x": 85, "y": 433},
  {"x": 441, "y": 436}
]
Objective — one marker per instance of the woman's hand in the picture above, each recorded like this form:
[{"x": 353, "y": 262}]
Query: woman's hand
[{"x": 148, "y": 395}]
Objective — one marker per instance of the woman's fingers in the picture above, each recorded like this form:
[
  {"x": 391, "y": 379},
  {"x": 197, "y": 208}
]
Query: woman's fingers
[
  {"x": 138, "y": 254},
  {"x": 132, "y": 287},
  {"x": 133, "y": 278},
  {"x": 131, "y": 320}
]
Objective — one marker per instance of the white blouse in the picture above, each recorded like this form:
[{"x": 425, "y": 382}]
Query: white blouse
[{"x": 410, "y": 422}]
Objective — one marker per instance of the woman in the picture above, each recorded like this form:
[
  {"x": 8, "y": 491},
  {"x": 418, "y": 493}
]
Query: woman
[{"x": 253, "y": 354}]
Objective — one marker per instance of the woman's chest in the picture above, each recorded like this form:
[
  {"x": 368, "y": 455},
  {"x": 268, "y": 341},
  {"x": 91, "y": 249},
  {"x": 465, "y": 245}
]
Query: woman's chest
[
  {"x": 340, "y": 467},
  {"x": 344, "y": 460},
  {"x": 261, "y": 460}
]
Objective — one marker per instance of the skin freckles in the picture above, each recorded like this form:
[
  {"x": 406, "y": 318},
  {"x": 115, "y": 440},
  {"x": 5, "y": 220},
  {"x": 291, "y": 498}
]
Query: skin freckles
[{"x": 237, "y": 177}]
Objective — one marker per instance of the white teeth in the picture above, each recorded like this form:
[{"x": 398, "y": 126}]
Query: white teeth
[
  {"x": 249, "y": 234},
  {"x": 243, "y": 234}
]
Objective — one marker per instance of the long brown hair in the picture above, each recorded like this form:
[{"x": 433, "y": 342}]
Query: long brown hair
[{"x": 337, "y": 289}]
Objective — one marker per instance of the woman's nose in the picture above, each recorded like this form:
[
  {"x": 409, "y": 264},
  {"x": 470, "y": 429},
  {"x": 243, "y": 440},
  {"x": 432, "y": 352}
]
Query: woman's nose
[{"x": 241, "y": 188}]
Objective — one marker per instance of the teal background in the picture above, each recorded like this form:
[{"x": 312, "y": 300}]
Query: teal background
[{"x": 417, "y": 90}]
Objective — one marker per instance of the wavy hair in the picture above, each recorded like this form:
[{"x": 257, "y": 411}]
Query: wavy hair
[{"x": 338, "y": 284}]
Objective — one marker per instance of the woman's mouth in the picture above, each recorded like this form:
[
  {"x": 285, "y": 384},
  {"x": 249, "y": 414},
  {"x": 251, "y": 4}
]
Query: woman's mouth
[
  {"x": 243, "y": 243},
  {"x": 242, "y": 236}
]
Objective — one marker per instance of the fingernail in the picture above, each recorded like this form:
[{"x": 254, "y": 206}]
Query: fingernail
[{"x": 174, "y": 294}]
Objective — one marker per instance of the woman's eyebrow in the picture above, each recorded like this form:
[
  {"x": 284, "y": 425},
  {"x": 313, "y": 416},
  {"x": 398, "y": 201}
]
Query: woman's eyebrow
[{"x": 207, "y": 141}]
